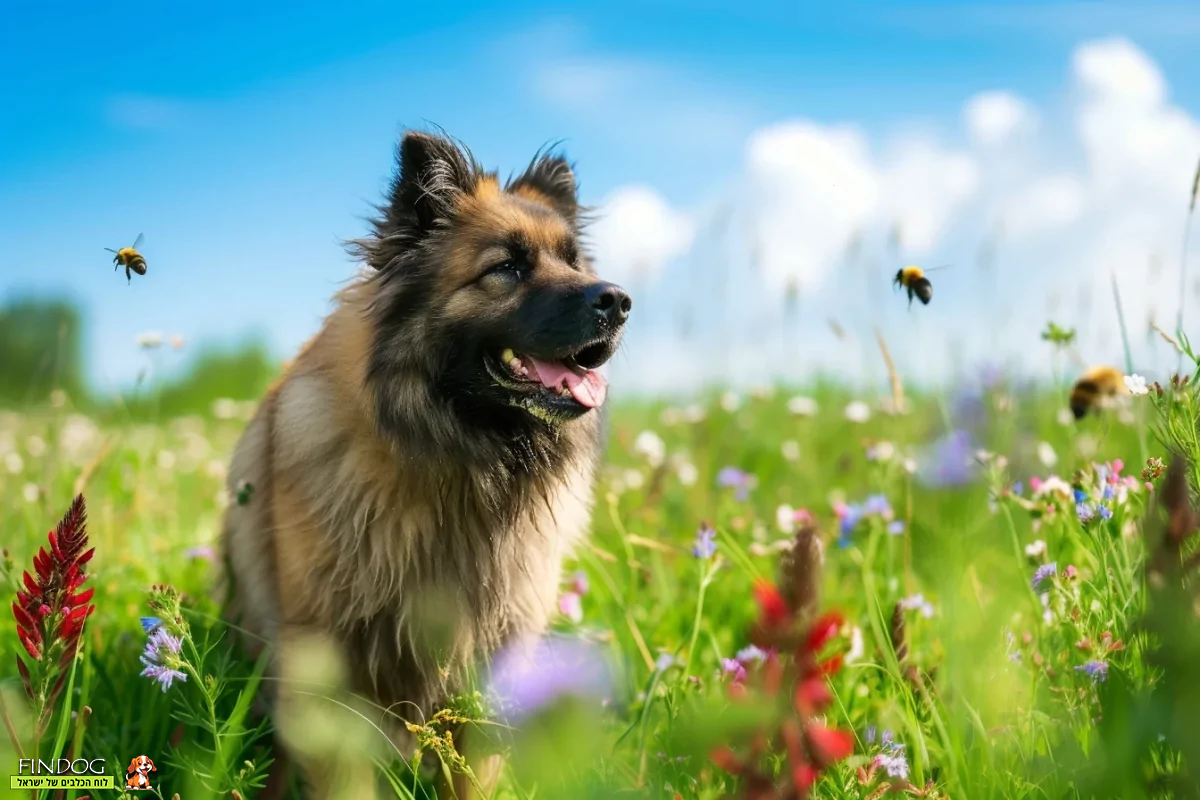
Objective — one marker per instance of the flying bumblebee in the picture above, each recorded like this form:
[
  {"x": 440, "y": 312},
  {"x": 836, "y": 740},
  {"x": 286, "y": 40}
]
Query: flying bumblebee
[
  {"x": 1096, "y": 389},
  {"x": 130, "y": 259},
  {"x": 913, "y": 279}
]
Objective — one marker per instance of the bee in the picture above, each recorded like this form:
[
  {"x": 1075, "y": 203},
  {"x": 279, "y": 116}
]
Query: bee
[
  {"x": 1096, "y": 389},
  {"x": 130, "y": 259},
  {"x": 913, "y": 279}
]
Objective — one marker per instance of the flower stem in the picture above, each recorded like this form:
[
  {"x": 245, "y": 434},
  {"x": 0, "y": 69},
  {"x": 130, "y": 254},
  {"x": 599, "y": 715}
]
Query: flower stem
[{"x": 12, "y": 729}]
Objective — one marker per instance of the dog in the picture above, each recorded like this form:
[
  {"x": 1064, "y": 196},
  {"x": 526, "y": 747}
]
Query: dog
[
  {"x": 139, "y": 770},
  {"x": 433, "y": 446}
]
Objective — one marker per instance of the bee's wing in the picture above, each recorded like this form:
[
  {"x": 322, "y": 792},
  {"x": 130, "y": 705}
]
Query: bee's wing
[
  {"x": 935, "y": 269},
  {"x": 138, "y": 241},
  {"x": 109, "y": 249}
]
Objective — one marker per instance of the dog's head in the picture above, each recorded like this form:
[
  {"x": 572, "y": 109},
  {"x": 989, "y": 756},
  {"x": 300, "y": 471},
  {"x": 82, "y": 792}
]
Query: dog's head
[
  {"x": 485, "y": 302},
  {"x": 142, "y": 765}
]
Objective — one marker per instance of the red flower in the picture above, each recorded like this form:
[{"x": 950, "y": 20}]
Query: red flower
[
  {"x": 50, "y": 610},
  {"x": 809, "y": 744}
]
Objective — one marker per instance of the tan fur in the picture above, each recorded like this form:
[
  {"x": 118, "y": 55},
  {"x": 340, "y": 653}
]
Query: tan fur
[{"x": 338, "y": 534}]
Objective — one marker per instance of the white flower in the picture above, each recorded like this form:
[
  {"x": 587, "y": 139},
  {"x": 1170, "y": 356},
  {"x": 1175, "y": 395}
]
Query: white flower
[
  {"x": 670, "y": 417},
  {"x": 790, "y": 449},
  {"x": 1136, "y": 384},
  {"x": 166, "y": 460},
  {"x": 858, "y": 411},
  {"x": 694, "y": 413},
  {"x": 910, "y": 465},
  {"x": 802, "y": 406},
  {"x": 224, "y": 408},
  {"x": 634, "y": 479},
  {"x": 149, "y": 340},
  {"x": 1086, "y": 445},
  {"x": 1053, "y": 485},
  {"x": 785, "y": 518},
  {"x": 1065, "y": 417},
  {"x": 36, "y": 446},
  {"x": 687, "y": 473},
  {"x": 30, "y": 492},
  {"x": 856, "y": 646},
  {"x": 730, "y": 402},
  {"x": 14, "y": 463},
  {"x": 1035, "y": 550},
  {"x": 1046, "y": 454},
  {"x": 650, "y": 446},
  {"x": 881, "y": 451}
]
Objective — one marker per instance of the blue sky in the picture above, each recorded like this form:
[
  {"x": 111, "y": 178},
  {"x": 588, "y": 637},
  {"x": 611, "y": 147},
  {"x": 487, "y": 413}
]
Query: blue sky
[{"x": 247, "y": 140}]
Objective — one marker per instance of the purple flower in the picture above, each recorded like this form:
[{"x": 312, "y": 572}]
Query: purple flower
[
  {"x": 1107, "y": 494},
  {"x": 736, "y": 479},
  {"x": 870, "y": 734},
  {"x": 161, "y": 658},
  {"x": 1105, "y": 512},
  {"x": 850, "y": 516},
  {"x": 895, "y": 527},
  {"x": 949, "y": 461},
  {"x": 203, "y": 551},
  {"x": 1098, "y": 670},
  {"x": 1044, "y": 573},
  {"x": 731, "y": 667},
  {"x": 1085, "y": 512},
  {"x": 1018, "y": 487},
  {"x": 877, "y": 504},
  {"x": 527, "y": 678},
  {"x": 895, "y": 766},
  {"x": 705, "y": 545},
  {"x": 751, "y": 654}
]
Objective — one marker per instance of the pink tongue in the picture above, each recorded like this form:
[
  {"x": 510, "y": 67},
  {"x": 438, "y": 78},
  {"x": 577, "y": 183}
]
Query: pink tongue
[{"x": 588, "y": 389}]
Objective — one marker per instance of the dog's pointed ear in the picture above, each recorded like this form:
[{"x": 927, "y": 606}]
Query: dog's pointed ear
[
  {"x": 431, "y": 173},
  {"x": 550, "y": 177}
]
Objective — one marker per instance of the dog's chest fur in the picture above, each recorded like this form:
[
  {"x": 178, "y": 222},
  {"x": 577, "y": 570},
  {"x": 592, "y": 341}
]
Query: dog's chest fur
[{"x": 406, "y": 563}]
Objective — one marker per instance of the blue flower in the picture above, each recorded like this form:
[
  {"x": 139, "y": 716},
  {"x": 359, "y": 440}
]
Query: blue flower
[
  {"x": 751, "y": 654},
  {"x": 736, "y": 479},
  {"x": 895, "y": 527},
  {"x": 850, "y": 519},
  {"x": 870, "y": 734},
  {"x": 1080, "y": 496},
  {"x": 706, "y": 543},
  {"x": 1018, "y": 487},
  {"x": 1044, "y": 573},
  {"x": 877, "y": 504},
  {"x": 949, "y": 461},
  {"x": 1105, "y": 512},
  {"x": 1107, "y": 494},
  {"x": 1085, "y": 512},
  {"x": 1098, "y": 670}
]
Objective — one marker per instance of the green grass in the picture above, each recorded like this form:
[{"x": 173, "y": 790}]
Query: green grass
[{"x": 987, "y": 702}]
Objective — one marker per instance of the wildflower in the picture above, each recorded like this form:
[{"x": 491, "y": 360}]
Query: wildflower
[
  {"x": 1136, "y": 385},
  {"x": 870, "y": 734},
  {"x": 687, "y": 473},
  {"x": 879, "y": 505},
  {"x": 1105, "y": 512},
  {"x": 1046, "y": 454},
  {"x": 1053, "y": 485},
  {"x": 892, "y": 760},
  {"x": 579, "y": 583},
  {"x": 948, "y": 462},
  {"x": 570, "y": 605},
  {"x": 917, "y": 602},
  {"x": 665, "y": 661},
  {"x": 1153, "y": 469},
  {"x": 1098, "y": 670},
  {"x": 201, "y": 552},
  {"x": 751, "y": 654},
  {"x": 1065, "y": 417},
  {"x": 801, "y": 688},
  {"x": 31, "y": 492},
  {"x": 1018, "y": 488},
  {"x": 50, "y": 611},
  {"x": 732, "y": 668},
  {"x": 881, "y": 451},
  {"x": 802, "y": 406},
  {"x": 650, "y": 446},
  {"x": 1044, "y": 573},
  {"x": 857, "y": 411},
  {"x": 790, "y": 449},
  {"x": 1036, "y": 550},
  {"x": 730, "y": 402},
  {"x": 161, "y": 658},
  {"x": 896, "y": 527},
  {"x": 149, "y": 340},
  {"x": 525, "y": 679},
  {"x": 1080, "y": 496},
  {"x": 733, "y": 478},
  {"x": 705, "y": 545},
  {"x": 789, "y": 519},
  {"x": 1070, "y": 573},
  {"x": 857, "y": 648}
]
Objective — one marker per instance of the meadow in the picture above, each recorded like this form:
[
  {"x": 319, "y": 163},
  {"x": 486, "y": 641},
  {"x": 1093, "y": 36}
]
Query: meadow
[{"x": 788, "y": 592}]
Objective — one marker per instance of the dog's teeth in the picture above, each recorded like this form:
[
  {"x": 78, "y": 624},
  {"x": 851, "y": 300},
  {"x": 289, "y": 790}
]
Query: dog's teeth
[{"x": 508, "y": 355}]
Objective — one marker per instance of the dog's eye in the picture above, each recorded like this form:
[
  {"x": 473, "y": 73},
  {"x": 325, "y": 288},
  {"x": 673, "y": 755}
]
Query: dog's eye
[{"x": 508, "y": 268}]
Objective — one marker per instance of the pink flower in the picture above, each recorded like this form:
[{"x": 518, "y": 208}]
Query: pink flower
[
  {"x": 579, "y": 583},
  {"x": 571, "y": 606}
]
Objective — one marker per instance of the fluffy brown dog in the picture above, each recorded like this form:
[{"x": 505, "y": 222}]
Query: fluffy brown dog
[{"x": 434, "y": 444}]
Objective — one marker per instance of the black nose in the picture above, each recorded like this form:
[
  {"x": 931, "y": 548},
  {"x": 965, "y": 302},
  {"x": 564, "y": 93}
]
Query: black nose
[{"x": 610, "y": 302}]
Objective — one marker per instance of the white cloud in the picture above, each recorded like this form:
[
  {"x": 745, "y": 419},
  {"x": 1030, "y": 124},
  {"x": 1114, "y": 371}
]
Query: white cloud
[
  {"x": 1073, "y": 205},
  {"x": 637, "y": 233},
  {"x": 994, "y": 117}
]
